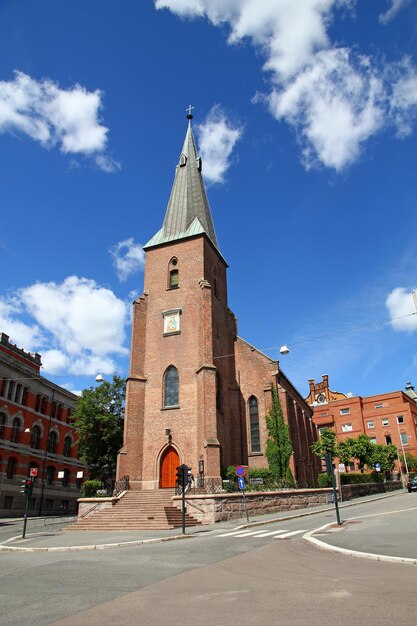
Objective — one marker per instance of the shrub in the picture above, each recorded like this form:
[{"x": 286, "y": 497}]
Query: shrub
[
  {"x": 90, "y": 487},
  {"x": 324, "y": 480},
  {"x": 355, "y": 479}
]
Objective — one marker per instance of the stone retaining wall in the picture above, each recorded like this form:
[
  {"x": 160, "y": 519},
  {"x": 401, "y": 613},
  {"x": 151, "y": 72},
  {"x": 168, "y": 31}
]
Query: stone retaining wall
[
  {"x": 89, "y": 506},
  {"x": 212, "y": 508},
  {"x": 367, "y": 489}
]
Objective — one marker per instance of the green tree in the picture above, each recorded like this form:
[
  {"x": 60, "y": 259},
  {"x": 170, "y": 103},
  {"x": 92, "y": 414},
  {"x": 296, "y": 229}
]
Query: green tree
[
  {"x": 362, "y": 448},
  {"x": 385, "y": 455},
  {"x": 325, "y": 443},
  {"x": 98, "y": 418},
  {"x": 278, "y": 447},
  {"x": 344, "y": 451},
  {"x": 411, "y": 461}
]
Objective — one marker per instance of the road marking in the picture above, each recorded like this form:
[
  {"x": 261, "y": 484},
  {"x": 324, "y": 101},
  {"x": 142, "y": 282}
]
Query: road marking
[
  {"x": 291, "y": 534},
  {"x": 241, "y": 533},
  {"x": 253, "y": 533},
  {"x": 273, "y": 532}
]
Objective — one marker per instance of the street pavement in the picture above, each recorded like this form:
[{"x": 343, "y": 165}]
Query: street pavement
[
  {"x": 386, "y": 535},
  {"x": 263, "y": 572}
]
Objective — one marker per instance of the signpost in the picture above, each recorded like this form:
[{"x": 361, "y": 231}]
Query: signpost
[
  {"x": 329, "y": 463},
  {"x": 240, "y": 472}
]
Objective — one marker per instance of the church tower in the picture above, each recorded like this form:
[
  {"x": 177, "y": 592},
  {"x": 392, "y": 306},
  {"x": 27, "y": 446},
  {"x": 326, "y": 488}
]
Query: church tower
[{"x": 182, "y": 400}]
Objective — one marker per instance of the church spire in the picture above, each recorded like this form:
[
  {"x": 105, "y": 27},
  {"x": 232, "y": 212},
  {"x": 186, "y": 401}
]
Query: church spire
[{"x": 188, "y": 211}]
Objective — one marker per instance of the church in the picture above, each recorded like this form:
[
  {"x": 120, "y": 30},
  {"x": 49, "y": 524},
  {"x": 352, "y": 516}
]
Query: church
[{"x": 197, "y": 393}]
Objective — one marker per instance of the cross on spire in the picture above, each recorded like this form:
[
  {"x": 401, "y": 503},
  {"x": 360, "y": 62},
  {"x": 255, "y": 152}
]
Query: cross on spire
[{"x": 189, "y": 112}]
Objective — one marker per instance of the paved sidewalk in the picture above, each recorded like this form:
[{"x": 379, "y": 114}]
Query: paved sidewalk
[{"x": 90, "y": 540}]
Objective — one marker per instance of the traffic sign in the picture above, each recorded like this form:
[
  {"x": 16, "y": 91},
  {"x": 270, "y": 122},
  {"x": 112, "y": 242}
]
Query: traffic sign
[
  {"x": 33, "y": 471},
  {"x": 241, "y": 482},
  {"x": 342, "y": 467},
  {"x": 378, "y": 467},
  {"x": 240, "y": 470}
]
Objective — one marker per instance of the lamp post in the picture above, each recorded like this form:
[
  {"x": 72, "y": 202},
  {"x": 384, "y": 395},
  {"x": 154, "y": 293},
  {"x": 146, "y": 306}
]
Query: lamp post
[{"x": 405, "y": 460}]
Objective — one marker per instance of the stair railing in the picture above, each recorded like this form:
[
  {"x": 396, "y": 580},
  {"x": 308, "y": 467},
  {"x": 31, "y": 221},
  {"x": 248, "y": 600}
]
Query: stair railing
[{"x": 121, "y": 485}]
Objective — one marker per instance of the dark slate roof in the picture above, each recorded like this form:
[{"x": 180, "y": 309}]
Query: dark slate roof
[{"x": 188, "y": 212}]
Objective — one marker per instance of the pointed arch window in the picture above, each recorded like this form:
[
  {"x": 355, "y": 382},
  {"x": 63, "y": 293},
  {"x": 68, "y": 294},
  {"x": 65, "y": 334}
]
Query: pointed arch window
[
  {"x": 173, "y": 274},
  {"x": 171, "y": 387},
  {"x": 255, "y": 439}
]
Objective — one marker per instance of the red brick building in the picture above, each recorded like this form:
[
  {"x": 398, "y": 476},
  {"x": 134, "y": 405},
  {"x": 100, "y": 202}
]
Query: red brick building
[
  {"x": 385, "y": 418},
  {"x": 35, "y": 432},
  {"x": 197, "y": 393}
]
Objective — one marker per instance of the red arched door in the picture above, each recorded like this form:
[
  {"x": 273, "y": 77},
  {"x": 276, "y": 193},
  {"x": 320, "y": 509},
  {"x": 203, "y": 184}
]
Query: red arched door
[{"x": 169, "y": 463}]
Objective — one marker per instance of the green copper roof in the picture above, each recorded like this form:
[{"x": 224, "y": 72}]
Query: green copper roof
[{"x": 188, "y": 211}]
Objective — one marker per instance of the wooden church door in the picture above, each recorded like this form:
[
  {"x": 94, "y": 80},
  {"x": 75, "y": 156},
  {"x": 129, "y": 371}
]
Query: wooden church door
[{"x": 169, "y": 463}]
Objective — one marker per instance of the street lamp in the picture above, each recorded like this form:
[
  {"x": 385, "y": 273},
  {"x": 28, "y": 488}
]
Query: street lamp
[
  {"x": 402, "y": 448},
  {"x": 284, "y": 350},
  {"x": 99, "y": 378}
]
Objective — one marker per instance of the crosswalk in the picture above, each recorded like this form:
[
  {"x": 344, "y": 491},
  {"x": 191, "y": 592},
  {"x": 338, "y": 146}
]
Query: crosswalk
[{"x": 260, "y": 534}]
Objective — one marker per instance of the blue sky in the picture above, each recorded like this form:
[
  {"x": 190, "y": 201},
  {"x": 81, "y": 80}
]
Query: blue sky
[{"x": 305, "y": 114}]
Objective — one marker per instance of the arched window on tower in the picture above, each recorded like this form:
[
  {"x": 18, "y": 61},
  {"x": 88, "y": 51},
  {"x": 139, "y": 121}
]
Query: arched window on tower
[
  {"x": 173, "y": 274},
  {"x": 219, "y": 398},
  {"x": 171, "y": 387},
  {"x": 255, "y": 440}
]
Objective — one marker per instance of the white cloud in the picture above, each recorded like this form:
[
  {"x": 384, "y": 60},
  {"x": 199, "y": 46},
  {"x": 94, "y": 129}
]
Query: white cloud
[
  {"x": 403, "y": 100},
  {"x": 77, "y": 326},
  {"x": 334, "y": 98},
  {"x": 19, "y": 332},
  {"x": 400, "y": 305},
  {"x": 53, "y": 116},
  {"x": 128, "y": 258},
  {"x": 107, "y": 164},
  {"x": 391, "y": 12},
  {"x": 217, "y": 138},
  {"x": 333, "y": 106}
]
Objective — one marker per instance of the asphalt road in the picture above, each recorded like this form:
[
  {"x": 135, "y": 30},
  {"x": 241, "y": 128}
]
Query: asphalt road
[{"x": 218, "y": 577}]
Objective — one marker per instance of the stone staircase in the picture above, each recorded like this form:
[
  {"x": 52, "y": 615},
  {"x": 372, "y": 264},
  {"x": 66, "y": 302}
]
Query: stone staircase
[{"x": 137, "y": 510}]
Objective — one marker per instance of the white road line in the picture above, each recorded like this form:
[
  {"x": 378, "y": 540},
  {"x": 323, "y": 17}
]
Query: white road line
[
  {"x": 248, "y": 533},
  {"x": 273, "y": 532},
  {"x": 236, "y": 532},
  {"x": 291, "y": 534},
  {"x": 253, "y": 533}
]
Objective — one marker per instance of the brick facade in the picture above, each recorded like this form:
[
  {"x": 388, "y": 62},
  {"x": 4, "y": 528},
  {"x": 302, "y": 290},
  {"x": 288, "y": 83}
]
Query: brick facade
[
  {"x": 31, "y": 408},
  {"x": 385, "y": 418},
  {"x": 187, "y": 325}
]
